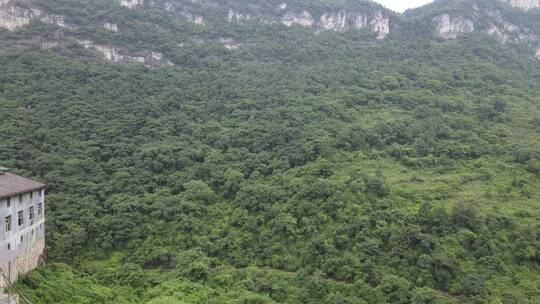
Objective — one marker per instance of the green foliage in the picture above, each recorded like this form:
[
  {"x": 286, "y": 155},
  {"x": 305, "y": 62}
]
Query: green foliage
[{"x": 327, "y": 168}]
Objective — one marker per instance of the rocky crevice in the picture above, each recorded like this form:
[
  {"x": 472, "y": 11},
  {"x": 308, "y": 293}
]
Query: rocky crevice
[{"x": 14, "y": 17}]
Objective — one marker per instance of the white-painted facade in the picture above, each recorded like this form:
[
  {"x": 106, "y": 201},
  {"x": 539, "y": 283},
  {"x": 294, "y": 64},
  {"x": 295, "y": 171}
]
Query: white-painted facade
[
  {"x": 22, "y": 229},
  {"x": 23, "y": 219}
]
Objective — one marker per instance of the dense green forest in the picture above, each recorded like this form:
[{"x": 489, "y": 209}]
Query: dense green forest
[{"x": 307, "y": 168}]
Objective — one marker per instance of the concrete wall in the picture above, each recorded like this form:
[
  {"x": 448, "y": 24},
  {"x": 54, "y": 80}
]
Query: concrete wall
[
  {"x": 29, "y": 230},
  {"x": 25, "y": 262},
  {"x": 9, "y": 299},
  {"x": 27, "y": 239}
]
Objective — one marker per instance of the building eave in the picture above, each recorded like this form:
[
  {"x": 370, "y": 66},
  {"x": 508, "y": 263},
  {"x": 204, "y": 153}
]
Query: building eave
[{"x": 22, "y": 191}]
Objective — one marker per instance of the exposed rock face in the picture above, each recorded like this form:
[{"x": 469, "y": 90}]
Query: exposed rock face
[
  {"x": 113, "y": 54},
  {"x": 451, "y": 27},
  {"x": 49, "y": 45},
  {"x": 341, "y": 21},
  {"x": 303, "y": 19},
  {"x": 496, "y": 31},
  {"x": 54, "y": 19},
  {"x": 506, "y": 31},
  {"x": 198, "y": 20},
  {"x": 524, "y": 4},
  {"x": 192, "y": 18},
  {"x": 335, "y": 22},
  {"x": 229, "y": 43},
  {"x": 110, "y": 26},
  {"x": 131, "y": 3},
  {"x": 169, "y": 7},
  {"x": 380, "y": 24},
  {"x": 13, "y": 17},
  {"x": 237, "y": 16},
  {"x": 108, "y": 52}
]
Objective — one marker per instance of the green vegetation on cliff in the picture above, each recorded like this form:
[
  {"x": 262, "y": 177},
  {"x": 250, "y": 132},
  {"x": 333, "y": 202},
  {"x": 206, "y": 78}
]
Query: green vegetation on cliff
[{"x": 328, "y": 168}]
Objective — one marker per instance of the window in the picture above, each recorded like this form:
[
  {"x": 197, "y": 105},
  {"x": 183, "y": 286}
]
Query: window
[
  {"x": 31, "y": 215},
  {"x": 8, "y": 246},
  {"x": 21, "y": 217},
  {"x": 7, "y": 224},
  {"x": 9, "y": 202},
  {"x": 40, "y": 210},
  {"x": 20, "y": 198},
  {"x": 31, "y": 194},
  {"x": 21, "y": 239}
]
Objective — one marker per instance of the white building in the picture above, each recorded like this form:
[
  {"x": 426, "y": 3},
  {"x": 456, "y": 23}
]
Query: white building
[{"x": 22, "y": 231}]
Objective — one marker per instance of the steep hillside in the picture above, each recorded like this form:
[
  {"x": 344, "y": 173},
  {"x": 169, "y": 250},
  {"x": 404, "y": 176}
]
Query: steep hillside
[
  {"x": 108, "y": 28},
  {"x": 277, "y": 151},
  {"x": 493, "y": 18}
]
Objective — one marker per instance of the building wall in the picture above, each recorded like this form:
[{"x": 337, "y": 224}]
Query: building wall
[
  {"x": 29, "y": 231},
  {"x": 25, "y": 262},
  {"x": 9, "y": 299},
  {"x": 28, "y": 239}
]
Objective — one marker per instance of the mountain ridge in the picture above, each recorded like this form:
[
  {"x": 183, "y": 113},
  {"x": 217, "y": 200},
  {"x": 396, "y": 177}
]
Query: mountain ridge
[{"x": 449, "y": 19}]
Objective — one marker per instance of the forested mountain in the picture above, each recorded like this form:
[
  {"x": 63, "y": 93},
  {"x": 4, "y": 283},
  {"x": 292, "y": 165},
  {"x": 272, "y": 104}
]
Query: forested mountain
[{"x": 292, "y": 151}]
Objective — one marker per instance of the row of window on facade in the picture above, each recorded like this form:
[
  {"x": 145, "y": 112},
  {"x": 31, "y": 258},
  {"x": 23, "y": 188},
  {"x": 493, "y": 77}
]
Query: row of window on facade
[
  {"x": 20, "y": 217},
  {"x": 20, "y": 196},
  {"x": 38, "y": 229}
]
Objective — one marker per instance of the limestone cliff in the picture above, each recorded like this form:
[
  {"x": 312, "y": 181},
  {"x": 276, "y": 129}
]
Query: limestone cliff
[
  {"x": 524, "y": 4},
  {"x": 493, "y": 21},
  {"x": 131, "y": 3},
  {"x": 444, "y": 19},
  {"x": 508, "y": 32},
  {"x": 340, "y": 20},
  {"x": 451, "y": 27},
  {"x": 111, "y": 26},
  {"x": 114, "y": 54},
  {"x": 13, "y": 17}
]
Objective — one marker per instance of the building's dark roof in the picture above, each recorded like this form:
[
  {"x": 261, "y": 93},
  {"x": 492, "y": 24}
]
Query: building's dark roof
[{"x": 11, "y": 185}]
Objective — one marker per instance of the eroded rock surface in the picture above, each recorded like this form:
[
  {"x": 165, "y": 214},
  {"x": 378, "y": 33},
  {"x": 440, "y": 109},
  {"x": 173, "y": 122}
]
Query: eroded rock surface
[
  {"x": 339, "y": 21},
  {"x": 111, "y": 26},
  {"x": 131, "y": 3},
  {"x": 449, "y": 27},
  {"x": 13, "y": 17},
  {"x": 524, "y": 4},
  {"x": 112, "y": 53}
]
